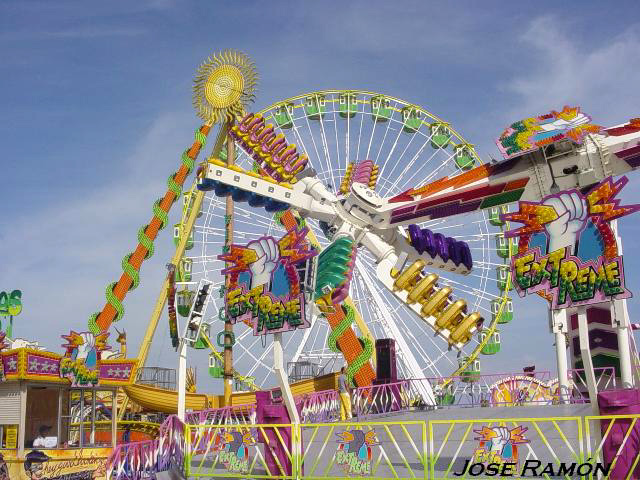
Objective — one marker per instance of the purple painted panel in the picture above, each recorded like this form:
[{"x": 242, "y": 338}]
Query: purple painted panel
[
  {"x": 120, "y": 372},
  {"x": 42, "y": 365},
  {"x": 10, "y": 363},
  {"x": 456, "y": 208},
  {"x": 633, "y": 161},
  {"x": 622, "y": 440},
  {"x": 628, "y": 151}
]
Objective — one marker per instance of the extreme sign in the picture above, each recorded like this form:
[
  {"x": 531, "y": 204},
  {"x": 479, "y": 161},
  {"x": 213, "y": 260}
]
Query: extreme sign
[
  {"x": 567, "y": 279},
  {"x": 265, "y": 289},
  {"x": 266, "y": 313},
  {"x": 567, "y": 250}
]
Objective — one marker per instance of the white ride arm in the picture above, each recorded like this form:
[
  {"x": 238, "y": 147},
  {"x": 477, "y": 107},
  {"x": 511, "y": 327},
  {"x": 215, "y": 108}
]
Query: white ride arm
[
  {"x": 530, "y": 177},
  {"x": 292, "y": 195}
]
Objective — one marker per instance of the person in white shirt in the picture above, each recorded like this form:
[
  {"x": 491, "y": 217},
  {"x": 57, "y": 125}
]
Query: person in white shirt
[{"x": 42, "y": 440}]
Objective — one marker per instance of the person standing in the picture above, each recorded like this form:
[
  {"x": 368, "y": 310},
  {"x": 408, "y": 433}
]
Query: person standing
[{"x": 345, "y": 397}]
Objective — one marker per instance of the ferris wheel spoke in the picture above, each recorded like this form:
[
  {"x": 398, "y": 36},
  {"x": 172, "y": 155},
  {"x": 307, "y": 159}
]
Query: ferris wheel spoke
[
  {"x": 407, "y": 313},
  {"x": 426, "y": 358},
  {"x": 335, "y": 128},
  {"x": 371, "y": 137},
  {"x": 391, "y": 151},
  {"x": 304, "y": 340},
  {"x": 325, "y": 147},
  {"x": 378, "y": 304},
  {"x": 362, "y": 115},
  {"x": 426, "y": 180},
  {"x": 245, "y": 349},
  {"x": 390, "y": 189},
  {"x": 410, "y": 163},
  {"x": 298, "y": 136},
  {"x": 384, "y": 164},
  {"x": 319, "y": 158},
  {"x": 260, "y": 362}
]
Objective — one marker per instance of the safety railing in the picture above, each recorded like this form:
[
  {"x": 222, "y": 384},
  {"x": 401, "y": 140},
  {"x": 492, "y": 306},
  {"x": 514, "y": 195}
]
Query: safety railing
[
  {"x": 613, "y": 441},
  {"x": 133, "y": 461},
  {"x": 318, "y": 407},
  {"x": 602, "y": 447},
  {"x": 501, "y": 389},
  {"x": 235, "y": 414},
  {"x": 244, "y": 451},
  {"x": 142, "y": 460},
  {"x": 382, "y": 399},
  {"x": 171, "y": 450},
  {"x": 521, "y": 447},
  {"x": 579, "y": 391},
  {"x": 364, "y": 450}
]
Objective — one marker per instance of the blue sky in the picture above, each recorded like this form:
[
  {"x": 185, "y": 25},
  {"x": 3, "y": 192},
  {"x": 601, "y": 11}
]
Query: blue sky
[{"x": 96, "y": 109}]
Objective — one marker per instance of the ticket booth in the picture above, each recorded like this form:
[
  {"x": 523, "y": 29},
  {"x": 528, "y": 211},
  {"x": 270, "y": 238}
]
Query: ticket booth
[{"x": 50, "y": 426}]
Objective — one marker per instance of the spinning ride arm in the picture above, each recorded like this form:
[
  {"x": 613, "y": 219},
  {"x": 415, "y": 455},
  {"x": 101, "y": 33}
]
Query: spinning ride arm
[
  {"x": 252, "y": 187},
  {"x": 421, "y": 293},
  {"x": 115, "y": 292},
  {"x": 530, "y": 176}
]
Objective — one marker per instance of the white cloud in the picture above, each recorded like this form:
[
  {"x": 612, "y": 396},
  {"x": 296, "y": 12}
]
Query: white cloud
[
  {"x": 559, "y": 68},
  {"x": 64, "y": 255}
]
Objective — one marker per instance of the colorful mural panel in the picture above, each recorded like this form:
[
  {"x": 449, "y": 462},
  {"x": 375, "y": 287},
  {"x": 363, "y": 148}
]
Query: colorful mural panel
[
  {"x": 354, "y": 452},
  {"x": 265, "y": 288},
  {"x": 535, "y": 132},
  {"x": 69, "y": 464},
  {"x": 567, "y": 250},
  {"x": 27, "y": 364}
]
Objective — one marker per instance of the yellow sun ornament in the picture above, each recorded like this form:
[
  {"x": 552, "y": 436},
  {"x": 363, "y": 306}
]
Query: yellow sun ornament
[{"x": 224, "y": 84}]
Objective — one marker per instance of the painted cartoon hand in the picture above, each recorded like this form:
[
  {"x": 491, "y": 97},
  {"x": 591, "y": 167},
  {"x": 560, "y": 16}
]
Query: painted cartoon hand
[
  {"x": 268, "y": 255},
  {"x": 503, "y": 435},
  {"x": 572, "y": 216},
  {"x": 88, "y": 342}
]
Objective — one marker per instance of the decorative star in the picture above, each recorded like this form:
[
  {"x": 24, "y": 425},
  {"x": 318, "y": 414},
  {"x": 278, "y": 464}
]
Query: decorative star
[
  {"x": 33, "y": 365},
  {"x": 13, "y": 365},
  {"x": 110, "y": 372}
]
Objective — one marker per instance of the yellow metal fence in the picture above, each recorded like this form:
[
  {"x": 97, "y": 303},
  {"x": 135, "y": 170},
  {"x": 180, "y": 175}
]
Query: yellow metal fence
[{"x": 603, "y": 447}]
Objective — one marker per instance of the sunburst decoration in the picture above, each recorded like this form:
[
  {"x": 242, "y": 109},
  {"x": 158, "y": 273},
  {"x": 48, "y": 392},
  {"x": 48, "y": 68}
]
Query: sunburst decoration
[{"x": 223, "y": 86}]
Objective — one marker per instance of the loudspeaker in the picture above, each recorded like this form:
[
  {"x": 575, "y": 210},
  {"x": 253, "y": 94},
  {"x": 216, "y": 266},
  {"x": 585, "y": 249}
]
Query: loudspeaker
[{"x": 386, "y": 370}]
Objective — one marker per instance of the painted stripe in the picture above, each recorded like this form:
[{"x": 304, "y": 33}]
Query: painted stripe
[
  {"x": 624, "y": 130},
  {"x": 501, "y": 199},
  {"x": 520, "y": 183},
  {"x": 633, "y": 161},
  {"x": 606, "y": 339},
  {"x": 628, "y": 151}
]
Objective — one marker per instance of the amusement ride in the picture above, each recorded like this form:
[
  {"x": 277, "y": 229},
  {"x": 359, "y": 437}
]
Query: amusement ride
[
  {"x": 352, "y": 156},
  {"x": 420, "y": 222},
  {"x": 344, "y": 228}
]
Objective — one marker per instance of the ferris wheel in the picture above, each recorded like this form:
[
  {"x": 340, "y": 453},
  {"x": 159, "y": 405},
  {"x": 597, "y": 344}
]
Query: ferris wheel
[{"x": 390, "y": 146}]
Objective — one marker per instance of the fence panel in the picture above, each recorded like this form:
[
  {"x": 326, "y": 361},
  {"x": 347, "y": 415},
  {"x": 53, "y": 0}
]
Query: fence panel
[
  {"x": 236, "y": 414},
  {"x": 133, "y": 461},
  {"x": 613, "y": 441},
  {"x": 364, "y": 450},
  {"x": 241, "y": 451},
  {"x": 472, "y": 448},
  {"x": 319, "y": 407},
  {"x": 382, "y": 399},
  {"x": 142, "y": 460}
]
